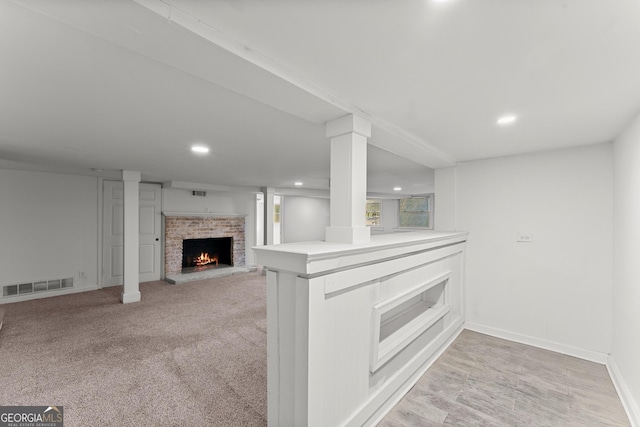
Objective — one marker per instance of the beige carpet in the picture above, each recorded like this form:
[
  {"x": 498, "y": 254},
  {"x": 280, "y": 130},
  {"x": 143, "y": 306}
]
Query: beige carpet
[{"x": 187, "y": 355}]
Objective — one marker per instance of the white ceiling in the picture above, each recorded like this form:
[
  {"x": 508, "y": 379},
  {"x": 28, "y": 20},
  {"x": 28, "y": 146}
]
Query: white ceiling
[{"x": 131, "y": 85}]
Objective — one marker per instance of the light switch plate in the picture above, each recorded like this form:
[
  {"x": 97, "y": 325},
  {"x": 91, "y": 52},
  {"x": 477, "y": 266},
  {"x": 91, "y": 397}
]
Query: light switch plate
[{"x": 524, "y": 237}]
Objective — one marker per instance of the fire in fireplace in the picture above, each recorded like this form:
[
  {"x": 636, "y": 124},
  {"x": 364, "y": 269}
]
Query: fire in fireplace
[
  {"x": 202, "y": 254},
  {"x": 205, "y": 259}
]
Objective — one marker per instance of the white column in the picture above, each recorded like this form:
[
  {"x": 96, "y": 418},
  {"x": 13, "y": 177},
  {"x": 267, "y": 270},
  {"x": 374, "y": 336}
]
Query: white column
[
  {"x": 131, "y": 289},
  {"x": 445, "y": 209},
  {"x": 268, "y": 192},
  {"x": 348, "y": 192}
]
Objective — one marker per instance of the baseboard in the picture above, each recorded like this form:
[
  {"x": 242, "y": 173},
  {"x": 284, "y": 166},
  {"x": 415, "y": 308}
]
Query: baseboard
[
  {"x": 628, "y": 402},
  {"x": 592, "y": 356}
]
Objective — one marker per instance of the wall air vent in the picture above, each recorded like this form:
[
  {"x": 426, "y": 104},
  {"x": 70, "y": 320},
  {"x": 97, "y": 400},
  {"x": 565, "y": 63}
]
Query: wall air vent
[
  {"x": 36, "y": 287},
  {"x": 199, "y": 193}
]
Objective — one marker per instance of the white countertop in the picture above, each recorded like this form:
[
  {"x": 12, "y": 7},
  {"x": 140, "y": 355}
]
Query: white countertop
[{"x": 318, "y": 256}]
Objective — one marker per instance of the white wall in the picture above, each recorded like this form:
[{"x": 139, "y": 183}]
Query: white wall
[
  {"x": 181, "y": 200},
  {"x": 626, "y": 272},
  {"x": 48, "y": 228},
  {"x": 304, "y": 218},
  {"x": 556, "y": 291},
  {"x": 444, "y": 216},
  {"x": 60, "y": 213}
]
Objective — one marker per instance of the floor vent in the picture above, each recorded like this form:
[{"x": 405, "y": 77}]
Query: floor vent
[{"x": 35, "y": 287}]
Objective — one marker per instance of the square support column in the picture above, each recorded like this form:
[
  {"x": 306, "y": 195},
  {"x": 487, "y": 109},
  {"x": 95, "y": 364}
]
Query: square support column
[
  {"x": 131, "y": 235},
  {"x": 348, "y": 193},
  {"x": 268, "y": 192}
]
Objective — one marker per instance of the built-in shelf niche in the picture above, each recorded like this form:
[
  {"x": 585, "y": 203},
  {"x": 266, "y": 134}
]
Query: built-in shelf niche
[{"x": 398, "y": 321}]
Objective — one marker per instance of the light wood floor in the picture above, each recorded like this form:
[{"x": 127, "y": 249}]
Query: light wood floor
[{"x": 486, "y": 381}]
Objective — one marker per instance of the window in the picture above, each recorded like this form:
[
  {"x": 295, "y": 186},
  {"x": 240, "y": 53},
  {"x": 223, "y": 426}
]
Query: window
[
  {"x": 373, "y": 211},
  {"x": 416, "y": 212}
]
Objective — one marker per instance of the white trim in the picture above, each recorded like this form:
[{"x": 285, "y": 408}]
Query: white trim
[
  {"x": 592, "y": 356},
  {"x": 100, "y": 231},
  {"x": 383, "y": 350},
  {"x": 630, "y": 405},
  {"x": 323, "y": 258}
]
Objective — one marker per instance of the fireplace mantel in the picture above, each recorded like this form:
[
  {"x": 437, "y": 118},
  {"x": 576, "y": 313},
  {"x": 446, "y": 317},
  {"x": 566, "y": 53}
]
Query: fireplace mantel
[{"x": 203, "y": 214}]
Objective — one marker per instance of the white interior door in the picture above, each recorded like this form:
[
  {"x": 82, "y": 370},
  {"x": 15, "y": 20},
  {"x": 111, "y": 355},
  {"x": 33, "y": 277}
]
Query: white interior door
[{"x": 112, "y": 229}]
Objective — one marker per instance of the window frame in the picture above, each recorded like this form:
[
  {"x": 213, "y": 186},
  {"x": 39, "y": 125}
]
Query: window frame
[
  {"x": 429, "y": 212},
  {"x": 367, "y": 217}
]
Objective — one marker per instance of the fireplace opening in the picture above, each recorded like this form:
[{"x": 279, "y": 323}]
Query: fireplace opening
[{"x": 205, "y": 254}]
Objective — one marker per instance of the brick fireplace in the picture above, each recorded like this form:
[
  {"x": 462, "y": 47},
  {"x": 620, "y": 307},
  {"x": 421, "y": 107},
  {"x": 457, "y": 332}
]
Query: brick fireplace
[{"x": 178, "y": 228}]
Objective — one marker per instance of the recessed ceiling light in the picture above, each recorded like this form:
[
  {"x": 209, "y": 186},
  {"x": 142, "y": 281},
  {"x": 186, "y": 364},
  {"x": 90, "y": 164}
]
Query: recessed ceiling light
[
  {"x": 397, "y": 188},
  {"x": 506, "y": 120},
  {"x": 200, "y": 149},
  {"x": 298, "y": 184}
]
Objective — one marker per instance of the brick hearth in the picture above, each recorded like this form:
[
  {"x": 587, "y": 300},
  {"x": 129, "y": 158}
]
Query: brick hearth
[{"x": 178, "y": 228}]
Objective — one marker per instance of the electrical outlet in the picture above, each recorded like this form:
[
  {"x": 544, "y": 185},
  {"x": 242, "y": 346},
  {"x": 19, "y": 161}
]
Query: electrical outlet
[
  {"x": 82, "y": 275},
  {"x": 524, "y": 237}
]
